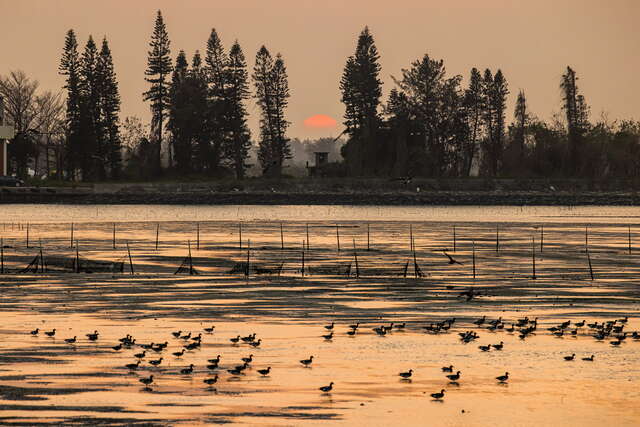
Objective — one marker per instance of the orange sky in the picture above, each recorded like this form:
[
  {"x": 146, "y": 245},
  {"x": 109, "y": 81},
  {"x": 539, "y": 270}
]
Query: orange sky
[{"x": 532, "y": 41}]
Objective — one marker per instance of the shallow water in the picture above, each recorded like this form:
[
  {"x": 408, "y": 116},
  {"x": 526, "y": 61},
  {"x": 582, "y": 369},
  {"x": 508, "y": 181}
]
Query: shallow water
[{"x": 45, "y": 380}]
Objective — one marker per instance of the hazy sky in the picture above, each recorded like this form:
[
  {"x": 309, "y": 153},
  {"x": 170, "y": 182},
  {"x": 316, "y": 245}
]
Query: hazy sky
[{"x": 531, "y": 41}]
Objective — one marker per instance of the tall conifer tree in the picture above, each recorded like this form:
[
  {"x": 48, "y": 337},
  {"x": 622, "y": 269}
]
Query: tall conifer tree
[
  {"x": 110, "y": 109},
  {"x": 70, "y": 67},
  {"x": 216, "y": 77},
  {"x": 238, "y": 140},
  {"x": 361, "y": 91},
  {"x": 158, "y": 72},
  {"x": 272, "y": 93}
]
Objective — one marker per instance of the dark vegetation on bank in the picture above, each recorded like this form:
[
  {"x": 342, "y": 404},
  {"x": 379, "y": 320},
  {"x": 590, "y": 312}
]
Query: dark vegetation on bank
[{"x": 334, "y": 191}]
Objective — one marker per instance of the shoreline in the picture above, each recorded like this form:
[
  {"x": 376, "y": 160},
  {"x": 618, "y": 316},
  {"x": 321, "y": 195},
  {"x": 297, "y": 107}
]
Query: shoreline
[{"x": 35, "y": 195}]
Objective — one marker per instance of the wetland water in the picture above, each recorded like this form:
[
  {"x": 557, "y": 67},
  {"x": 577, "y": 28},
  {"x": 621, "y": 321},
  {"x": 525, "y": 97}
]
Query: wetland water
[{"x": 44, "y": 380}]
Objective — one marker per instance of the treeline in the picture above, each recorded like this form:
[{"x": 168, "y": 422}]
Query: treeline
[
  {"x": 204, "y": 107},
  {"x": 92, "y": 147},
  {"x": 432, "y": 126}
]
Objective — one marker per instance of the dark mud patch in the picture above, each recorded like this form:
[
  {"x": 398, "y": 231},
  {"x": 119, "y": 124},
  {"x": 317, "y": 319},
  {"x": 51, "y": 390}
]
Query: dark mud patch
[
  {"x": 37, "y": 393},
  {"x": 83, "y": 421}
]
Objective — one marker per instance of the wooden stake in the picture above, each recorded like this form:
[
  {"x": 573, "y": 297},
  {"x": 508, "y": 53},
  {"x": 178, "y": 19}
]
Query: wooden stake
[
  {"x": 246, "y": 273},
  {"x": 307, "y": 236},
  {"x": 27, "y": 235},
  {"x": 71, "y": 240},
  {"x": 130, "y": 259},
  {"x": 590, "y": 267},
  {"x": 240, "y": 235},
  {"x": 114, "y": 235},
  {"x": 190, "y": 259},
  {"x": 302, "y": 269},
  {"x": 533, "y": 255},
  {"x": 338, "y": 236},
  {"x": 541, "y": 237},
  {"x": 77, "y": 257},
  {"x": 1, "y": 255},
  {"x": 41, "y": 258},
  {"x": 281, "y": 237},
  {"x": 411, "y": 248},
  {"x": 157, "y": 234},
  {"x": 355, "y": 255},
  {"x": 473, "y": 248},
  {"x": 586, "y": 239},
  {"x": 454, "y": 238},
  {"x": 197, "y": 236},
  {"x": 415, "y": 265},
  {"x": 497, "y": 238},
  {"x": 629, "y": 240},
  {"x": 368, "y": 242}
]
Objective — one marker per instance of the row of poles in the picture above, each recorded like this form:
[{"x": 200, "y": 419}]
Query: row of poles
[
  {"x": 412, "y": 248},
  {"x": 306, "y": 245}
]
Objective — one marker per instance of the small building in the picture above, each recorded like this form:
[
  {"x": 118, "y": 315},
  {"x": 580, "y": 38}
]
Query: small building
[{"x": 321, "y": 159}]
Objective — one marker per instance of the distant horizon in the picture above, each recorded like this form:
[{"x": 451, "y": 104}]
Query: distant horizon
[{"x": 531, "y": 61}]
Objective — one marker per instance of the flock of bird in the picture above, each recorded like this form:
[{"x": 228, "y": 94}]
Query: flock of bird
[{"x": 612, "y": 330}]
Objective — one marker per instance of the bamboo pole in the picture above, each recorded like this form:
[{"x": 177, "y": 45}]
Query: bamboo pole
[
  {"x": 114, "y": 235},
  {"x": 411, "y": 248},
  {"x": 240, "y": 235},
  {"x": 157, "y": 234},
  {"x": 586, "y": 239},
  {"x": 454, "y": 238},
  {"x": 368, "y": 238},
  {"x": 533, "y": 256},
  {"x": 190, "y": 258},
  {"x": 71, "y": 240},
  {"x": 41, "y": 258},
  {"x": 355, "y": 255},
  {"x": 281, "y": 237},
  {"x": 338, "y": 236},
  {"x": 78, "y": 257},
  {"x": 197, "y": 236},
  {"x": 246, "y": 272},
  {"x": 302, "y": 269},
  {"x": 307, "y": 236},
  {"x": 590, "y": 267},
  {"x": 497, "y": 238},
  {"x": 473, "y": 249},
  {"x": 130, "y": 259},
  {"x": 629, "y": 240},
  {"x": 541, "y": 237},
  {"x": 27, "y": 235}
]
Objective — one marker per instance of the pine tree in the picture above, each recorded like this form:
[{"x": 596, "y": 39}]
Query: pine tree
[
  {"x": 361, "y": 91},
  {"x": 238, "y": 140},
  {"x": 92, "y": 153},
  {"x": 495, "y": 93},
  {"x": 217, "y": 103},
  {"x": 521, "y": 118},
  {"x": 110, "y": 109},
  {"x": 577, "y": 115},
  {"x": 158, "y": 71},
  {"x": 272, "y": 93},
  {"x": 199, "y": 104},
  {"x": 70, "y": 67},
  {"x": 474, "y": 105},
  {"x": 179, "y": 114}
]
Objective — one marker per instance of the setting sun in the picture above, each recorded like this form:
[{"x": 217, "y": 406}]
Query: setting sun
[{"x": 320, "y": 121}]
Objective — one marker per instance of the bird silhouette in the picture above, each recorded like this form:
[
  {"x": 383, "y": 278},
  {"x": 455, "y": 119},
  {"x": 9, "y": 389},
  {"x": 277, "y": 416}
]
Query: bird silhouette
[
  {"x": 438, "y": 396},
  {"x": 327, "y": 388}
]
